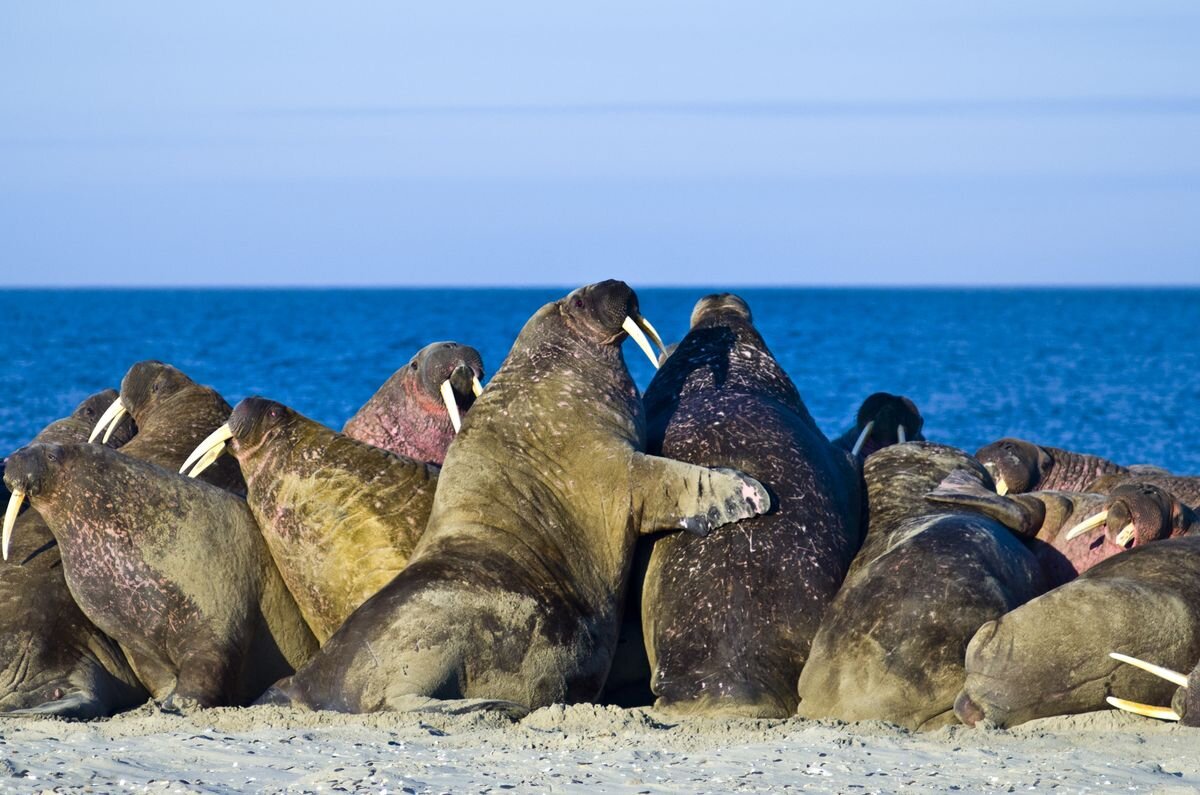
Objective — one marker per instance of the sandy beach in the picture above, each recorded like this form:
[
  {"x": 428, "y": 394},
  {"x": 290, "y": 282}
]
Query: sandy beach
[{"x": 584, "y": 748}]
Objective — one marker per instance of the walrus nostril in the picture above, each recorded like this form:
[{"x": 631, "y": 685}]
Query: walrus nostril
[{"x": 967, "y": 710}]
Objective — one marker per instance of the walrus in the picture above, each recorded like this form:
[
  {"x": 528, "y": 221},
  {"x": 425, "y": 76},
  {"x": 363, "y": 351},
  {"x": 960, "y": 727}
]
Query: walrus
[
  {"x": 883, "y": 419},
  {"x": 340, "y": 517},
  {"x": 56, "y": 662},
  {"x": 891, "y": 644},
  {"x": 1186, "y": 488},
  {"x": 513, "y": 594},
  {"x": 173, "y": 414},
  {"x": 1051, "y": 655},
  {"x": 728, "y": 617},
  {"x": 1185, "y": 705},
  {"x": 174, "y": 570},
  {"x": 1019, "y": 466},
  {"x": 418, "y": 410}
]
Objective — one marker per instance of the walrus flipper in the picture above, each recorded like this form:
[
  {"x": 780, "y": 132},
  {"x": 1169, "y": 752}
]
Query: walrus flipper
[
  {"x": 80, "y": 706},
  {"x": 672, "y": 495},
  {"x": 1024, "y": 516}
]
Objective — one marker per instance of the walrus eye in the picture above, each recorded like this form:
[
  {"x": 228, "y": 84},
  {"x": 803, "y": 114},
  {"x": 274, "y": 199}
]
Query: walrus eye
[
  {"x": 579, "y": 303},
  {"x": 275, "y": 413},
  {"x": 413, "y": 365}
]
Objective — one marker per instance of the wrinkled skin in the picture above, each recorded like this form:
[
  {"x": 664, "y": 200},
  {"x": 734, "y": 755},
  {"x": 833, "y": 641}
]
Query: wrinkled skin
[
  {"x": 1184, "y": 488},
  {"x": 407, "y": 415},
  {"x": 1024, "y": 467},
  {"x": 55, "y": 661},
  {"x": 173, "y": 415},
  {"x": 514, "y": 591},
  {"x": 891, "y": 645},
  {"x": 1044, "y": 518},
  {"x": 1187, "y": 700},
  {"x": 728, "y": 618},
  {"x": 1050, "y": 656},
  {"x": 889, "y": 413},
  {"x": 340, "y": 517},
  {"x": 174, "y": 570}
]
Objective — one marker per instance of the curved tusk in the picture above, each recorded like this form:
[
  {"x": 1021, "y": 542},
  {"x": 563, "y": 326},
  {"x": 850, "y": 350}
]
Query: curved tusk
[
  {"x": 108, "y": 420},
  {"x": 653, "y": 334},
  {"x": 1174, "y": 677},
  {"x": 637, "y": 335},
  {"x": 901, "y": 434},
  {"x": 1162, "y": 713},
  {"x": 1001, "y": 486},
  {"x": 476, "y": 387},
  {"x": 1086, "y": 525},
  {"x": 1126, "y": 535},
  {"x": 203, "y": 452},
  {"x": 862, "y": 438},
  {"x": 10, "y": 517},
  {"x": 451, "y": 405}
]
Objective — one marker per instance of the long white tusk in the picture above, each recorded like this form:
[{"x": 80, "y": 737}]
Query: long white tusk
[
  {"x": 653, "y": 334},
  {"x": 1126, "y": 535},
  {"x": 214, "y": 441},
  {"x": 1086, "y": 525},
  {"x": 1162, "y": 713},
  {"x": 10, "y": 517},
  {"x": 637, "y": 335},
  {"x": 1174, "y": 677},
  {"x": 862, "y": 438},
  {"x": 476, "y": 387},
  {"x": 451, "y": 405},
  {"x": 901, "y": 434},
  {"x": 1001, "y": 486},
  {"x": 108, "y": 420}
]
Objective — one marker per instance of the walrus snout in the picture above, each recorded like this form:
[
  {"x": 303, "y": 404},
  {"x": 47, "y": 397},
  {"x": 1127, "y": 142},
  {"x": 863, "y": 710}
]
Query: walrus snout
[
  {"x": 26, "y": 469},
  {"x": 967, "y": 710},
  {"x": 1138, "y": 514},
  {"x": 1014, "y": 464}
]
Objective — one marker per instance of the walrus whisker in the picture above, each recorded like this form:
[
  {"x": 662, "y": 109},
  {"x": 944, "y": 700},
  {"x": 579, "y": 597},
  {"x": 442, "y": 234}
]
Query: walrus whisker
[
  {"x": 1161, "y": 713},
  {"x": 1086, "y": 525},
  {"x": 476, "y": 387},
  {"x": 637, "y": 335},
  {"x": 1126, "y": 535},
  {"x": 108, "y": 421},
  {"x": 901, "y": 434},
  {"x": 207, "y": 451},
  {"x": 451, "y": 405},
  {"x": 862, "y": 438},
  {"x": 10, "y": 517},
  {"x": 1174, "y": 677}
]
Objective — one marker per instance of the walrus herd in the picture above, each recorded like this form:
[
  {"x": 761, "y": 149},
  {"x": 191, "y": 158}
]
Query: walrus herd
[{"x": 556, "y": 536}]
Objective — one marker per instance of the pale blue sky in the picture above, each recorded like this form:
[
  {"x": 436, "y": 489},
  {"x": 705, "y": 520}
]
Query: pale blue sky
[{"x": 556, "y": 143}]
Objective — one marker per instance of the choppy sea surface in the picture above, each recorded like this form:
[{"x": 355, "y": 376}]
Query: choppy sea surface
[{"x": 1112, "y": 372}]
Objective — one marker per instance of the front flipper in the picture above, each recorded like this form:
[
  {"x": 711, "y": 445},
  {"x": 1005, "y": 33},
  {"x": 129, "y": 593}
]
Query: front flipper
[
  {"x": 672, "y": 495},
  {"x": 80, "y": 706},
  {"x": 1022, "y": 514}
]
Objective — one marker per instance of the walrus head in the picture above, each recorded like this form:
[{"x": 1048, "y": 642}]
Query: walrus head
[
  {"x": 884, "y": 420},
  {"x": 449, "y": 373},
  {"x": 605, "y": 313},
  {"x": 253, "y": 422},
  {"x": 1017, "y": 466},
  {"x": 146, "y": 385},
  {"x": 76, "y": 427},
  {"x": 719, "y": 308},
  {"x": 1138, "y": 513},
  {"x": 28, "y": 473}
]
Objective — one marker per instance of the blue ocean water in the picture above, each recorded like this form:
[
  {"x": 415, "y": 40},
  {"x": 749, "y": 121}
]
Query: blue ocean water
[{"x": 1113, "y": 372}]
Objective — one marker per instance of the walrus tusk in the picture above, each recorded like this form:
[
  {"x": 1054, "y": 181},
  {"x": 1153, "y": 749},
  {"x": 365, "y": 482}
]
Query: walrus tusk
[
  {"x": 476, "y": 387},
  {"x": 108, "y": 420},
  {"x": 207, "y": 451},
  {"x": 862, "y": 438},
  {"x": 653, "y": 334},
  {"x": 901, "y": 434},
  {"x": 10, "y": 517},
  {"x": 637, "y": 335},
  {"x": 1162, "y": 713},
  {"x": 451, "y": 405},
  {"x": 1126, "y": 535},
  {"x": 1001, "y": 486},
  {"x": 1087, "y": 524},
  {"x": 1174, "y": 677}
]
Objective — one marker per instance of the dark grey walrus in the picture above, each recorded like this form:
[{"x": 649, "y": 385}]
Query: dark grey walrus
[
  {"x": 1051, "y": 655},
  {"x": 728, "y": 618},
  {"x": 883, "y": 419},
  {"x": 514, "y": 591},
  {"x": 173, "y": 569},
  {"x": 891, "y": 645},
  {"x": 53, "y": 661}
]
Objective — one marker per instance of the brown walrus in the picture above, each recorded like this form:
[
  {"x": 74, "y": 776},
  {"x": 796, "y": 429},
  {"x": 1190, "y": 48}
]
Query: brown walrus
[
  {"x": 53, "y": 661},
  {"x": 173, "y": 569},
  {"x": 418, "y": 410},
  {"x": 341, "y": 517},
  {"x": 728, "y": 618},
  {"x": 514, "y": 592},
  {"x": 173, "y": 413},
  {"x": 1018, "y": 466}
]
